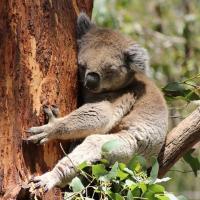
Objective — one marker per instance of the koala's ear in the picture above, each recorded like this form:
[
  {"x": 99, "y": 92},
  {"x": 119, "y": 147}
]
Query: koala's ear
[
  {"x": 83, "y": 24},
  {"x": 137, "y": 58}
]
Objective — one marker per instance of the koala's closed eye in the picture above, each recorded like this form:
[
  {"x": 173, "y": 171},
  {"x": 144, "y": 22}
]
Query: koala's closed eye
[
  {"x": 113, "y": 68},
  {"x": 110, "y": 70}
]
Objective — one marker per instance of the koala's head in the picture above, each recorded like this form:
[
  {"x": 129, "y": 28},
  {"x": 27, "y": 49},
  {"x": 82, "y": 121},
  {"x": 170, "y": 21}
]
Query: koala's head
[{"x": 107, "y": 60}]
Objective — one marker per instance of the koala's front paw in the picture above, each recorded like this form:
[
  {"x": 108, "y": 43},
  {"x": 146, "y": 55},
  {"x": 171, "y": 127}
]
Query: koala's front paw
[
  {"x": 42, "y": 134},
  {"x": 44, "y": 182}
]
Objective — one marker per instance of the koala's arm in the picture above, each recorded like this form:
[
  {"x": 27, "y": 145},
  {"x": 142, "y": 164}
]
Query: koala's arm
[
  {"x": 91, "y": 118},
  {"x": 89, "y": 151}
]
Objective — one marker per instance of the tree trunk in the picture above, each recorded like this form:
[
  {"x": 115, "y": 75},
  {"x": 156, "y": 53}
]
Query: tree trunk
[{"x": 37, "y": 67}]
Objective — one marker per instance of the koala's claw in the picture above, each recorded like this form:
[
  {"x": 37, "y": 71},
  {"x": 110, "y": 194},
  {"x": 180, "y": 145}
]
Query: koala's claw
[
  {"x": 36, "y": 130},
  {"x": 42, "y": 134},
  {"x": 55, "y": 111},
  {"x": 49, "y": 113},
  {"x": 45, "y": 182},
  {"x": 52, "y": 112},
  {"x": 39, "y": 138}
]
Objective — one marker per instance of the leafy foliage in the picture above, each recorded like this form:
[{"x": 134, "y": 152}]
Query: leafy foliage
[
  {"x": 192, "y": 161},
  {"x": 186, "y": 89},
  {"x": 119, "y": 181}
]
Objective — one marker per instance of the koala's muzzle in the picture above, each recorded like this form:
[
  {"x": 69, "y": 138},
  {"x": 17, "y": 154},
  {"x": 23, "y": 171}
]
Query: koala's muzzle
[{"x": 92, "y": 80}]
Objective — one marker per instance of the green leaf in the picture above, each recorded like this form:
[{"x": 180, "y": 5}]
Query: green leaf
[
  {"x": 113, "y": 172},
  {"x": 143, "y": 187},
  {"x": 192, "y": 161},
  {"x": 137, "y": 163},
  {"x": 149, "y": 195},
  {"x": 122, "y": 166},
  {"x": 104, "y": 161},
  {"x": 161, "y": 197},
  {"x": 129, "y": 195},
  {"x": 156, "y": 188},
  {"x": 136, "y": 192},
  {"x": 130, "y": 184},
  {"x": 116, "y": 196},
  {"x": 111, "y": 145},
  {"x": 83, "y": 165},
  {"x": 76, "y": 185},
  {"x": 99, "y": 170},
  {"x": 192, "y": 96},
  {"x": 122, "y": 175},
  {"x": 174, "y": 89},
  {"x": 154, "y": 170},
  {"x": 128, "y": 171}
]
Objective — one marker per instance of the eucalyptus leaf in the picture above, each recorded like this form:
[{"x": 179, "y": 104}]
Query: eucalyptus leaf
[
  {"x": 76, "y": 185},
  {"x": 143, "y": 187},
  {"x": 137, "y": 163},
  {"x": 110, "y": 146},
  {"x": 122, "y": 175},
  {"x": 83, "y": 165},
  {"x": 116, "y": 196},
  {"x": 156, "y": 188},
  {"x": 129, "y": 195},
  {"x": 161, "y": 197},
  {"x": 174, "y": 88},
  {"x": 154, "y": 170},
  {"x": 149, "y": 195},
  {"x": 113, "y": 172},
  {"x": 99, "y": 170},
  {"x": 192, "y": 161}
]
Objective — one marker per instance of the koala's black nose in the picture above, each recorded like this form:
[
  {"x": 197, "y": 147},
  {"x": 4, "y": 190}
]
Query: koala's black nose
[{"x": 92, "y": 80}]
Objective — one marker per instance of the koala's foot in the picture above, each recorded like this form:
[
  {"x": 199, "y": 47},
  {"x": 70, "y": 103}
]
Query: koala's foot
[
  {"x": 44, "y": 182},
  {"x": 44, "y": 133}
]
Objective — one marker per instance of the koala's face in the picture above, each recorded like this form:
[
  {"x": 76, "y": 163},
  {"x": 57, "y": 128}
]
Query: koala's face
[
  {"x": 102, "y": 65},
  {"x": 102, "y": 58}
]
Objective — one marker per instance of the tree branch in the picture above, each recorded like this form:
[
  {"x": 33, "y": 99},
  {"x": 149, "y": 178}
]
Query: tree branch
[{"x": 180, "y": 140}]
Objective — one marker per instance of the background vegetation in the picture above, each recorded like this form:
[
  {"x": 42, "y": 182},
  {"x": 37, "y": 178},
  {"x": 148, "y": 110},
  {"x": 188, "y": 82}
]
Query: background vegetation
[{"x": 170, "y": 32}]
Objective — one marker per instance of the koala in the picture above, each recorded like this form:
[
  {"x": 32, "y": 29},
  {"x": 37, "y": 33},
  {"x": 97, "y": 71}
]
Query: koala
[{"x": 120, "y": 103}]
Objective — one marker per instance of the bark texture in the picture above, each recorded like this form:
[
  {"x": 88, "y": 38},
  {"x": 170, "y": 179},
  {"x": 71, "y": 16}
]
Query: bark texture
[
  {"x": 37, "y": 67},
  {"x": 180, "y": 140}
]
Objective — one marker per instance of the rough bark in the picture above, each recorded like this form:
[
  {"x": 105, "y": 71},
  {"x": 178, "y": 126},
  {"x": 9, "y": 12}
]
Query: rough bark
[
  {"x": 37, "y": 67},
  {"x": 180, "y": 140}
]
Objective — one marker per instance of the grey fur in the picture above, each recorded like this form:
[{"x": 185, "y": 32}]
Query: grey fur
[
  {"x": 138, "y": 58},
  {"x": 83, "y": 24},
  {"x": 126, "y": 106}
]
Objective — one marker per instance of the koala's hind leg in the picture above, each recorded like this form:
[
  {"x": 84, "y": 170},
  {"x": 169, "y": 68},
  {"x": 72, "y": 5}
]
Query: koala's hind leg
[{"x": 89, "y": 151}]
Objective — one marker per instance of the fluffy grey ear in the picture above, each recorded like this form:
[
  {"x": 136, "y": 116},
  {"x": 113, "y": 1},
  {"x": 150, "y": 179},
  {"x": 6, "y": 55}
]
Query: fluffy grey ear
[
  {"x": 83, "y": 24},
  {"x": 137, "y": 58}
]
